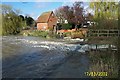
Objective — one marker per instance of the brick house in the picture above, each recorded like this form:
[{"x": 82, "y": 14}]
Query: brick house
[{"x": 46, "y": 21}]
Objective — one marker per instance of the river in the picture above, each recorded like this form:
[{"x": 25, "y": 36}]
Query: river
[{"x": 33, "y": 57}]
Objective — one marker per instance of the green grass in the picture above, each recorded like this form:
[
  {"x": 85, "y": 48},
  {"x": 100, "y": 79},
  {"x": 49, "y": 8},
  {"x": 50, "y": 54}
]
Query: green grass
[
  {"x": 0, "y": 24},
  {"x": 38, "y": 33},
  {"x": 34, "y": 33}
]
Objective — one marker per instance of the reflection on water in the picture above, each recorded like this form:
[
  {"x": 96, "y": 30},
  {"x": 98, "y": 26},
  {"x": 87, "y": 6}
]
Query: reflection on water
[{"x": 33, "y": 57}]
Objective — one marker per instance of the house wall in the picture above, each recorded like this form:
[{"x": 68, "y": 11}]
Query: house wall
[
  {"x": 49, "y": 24},
  {"x": 42, "y": 26},
  {"x": 52, "y": 21}
]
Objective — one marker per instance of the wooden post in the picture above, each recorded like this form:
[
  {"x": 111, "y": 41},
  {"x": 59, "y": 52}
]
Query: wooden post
[
  {"x": 96, "y": 47},
  {"x": 109, "y": 47},
  {"x": 108, "y": 31},
  {"x": 54, "y": 29}
]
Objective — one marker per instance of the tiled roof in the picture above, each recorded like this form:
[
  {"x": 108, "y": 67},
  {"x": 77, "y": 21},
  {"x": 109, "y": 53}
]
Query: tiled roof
[{"x": 44, "y": 17}]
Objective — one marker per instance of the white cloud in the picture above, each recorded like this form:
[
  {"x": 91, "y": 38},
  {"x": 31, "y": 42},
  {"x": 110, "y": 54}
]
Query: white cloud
[
  {"x": 67, "y": 3},
  {"x": 39, "y": 5},
  {"x": 86, "y": 6},
  {"x": 33, "y": 15}
]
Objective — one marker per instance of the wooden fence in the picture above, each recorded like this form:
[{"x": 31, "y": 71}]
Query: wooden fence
[{"x": 103, "y": 32}]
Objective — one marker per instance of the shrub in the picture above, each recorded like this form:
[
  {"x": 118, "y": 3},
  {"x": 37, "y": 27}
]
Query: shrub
[
  {"x": 38, "y": 33},
  {"x": 67, "y": 34},
  {"x": 105, "y": 24},
  {"x": 66, "y": 26},
  {"x": 77, "y": 34}
]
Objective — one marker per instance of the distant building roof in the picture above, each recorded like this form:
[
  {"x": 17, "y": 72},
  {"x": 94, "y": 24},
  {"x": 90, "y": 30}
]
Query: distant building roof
[{"x": 44, "y": 17}]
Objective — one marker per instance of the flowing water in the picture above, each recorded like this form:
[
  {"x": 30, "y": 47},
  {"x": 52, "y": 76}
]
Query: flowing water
[{"x": 33, "y": 57}]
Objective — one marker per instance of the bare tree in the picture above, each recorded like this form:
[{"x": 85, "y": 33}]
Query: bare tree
[{"x": 73, "y": 14}]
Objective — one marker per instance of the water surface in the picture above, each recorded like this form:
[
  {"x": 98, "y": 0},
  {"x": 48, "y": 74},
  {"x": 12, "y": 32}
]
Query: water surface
[{"x": 33, "y": 57}]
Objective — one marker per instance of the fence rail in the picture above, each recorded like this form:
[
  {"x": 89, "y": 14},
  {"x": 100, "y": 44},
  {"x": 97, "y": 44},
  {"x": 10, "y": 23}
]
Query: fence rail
[{"x": 103, "y": 32}]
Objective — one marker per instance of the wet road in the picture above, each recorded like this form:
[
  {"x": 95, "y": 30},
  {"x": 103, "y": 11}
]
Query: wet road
[{"x": 32, "y": 57}]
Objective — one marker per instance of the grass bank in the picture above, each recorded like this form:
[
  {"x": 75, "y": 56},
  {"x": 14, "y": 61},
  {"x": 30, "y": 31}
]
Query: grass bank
[
  {"x": 104, "y": 61},
  {"x": 38, "y": 33}
]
